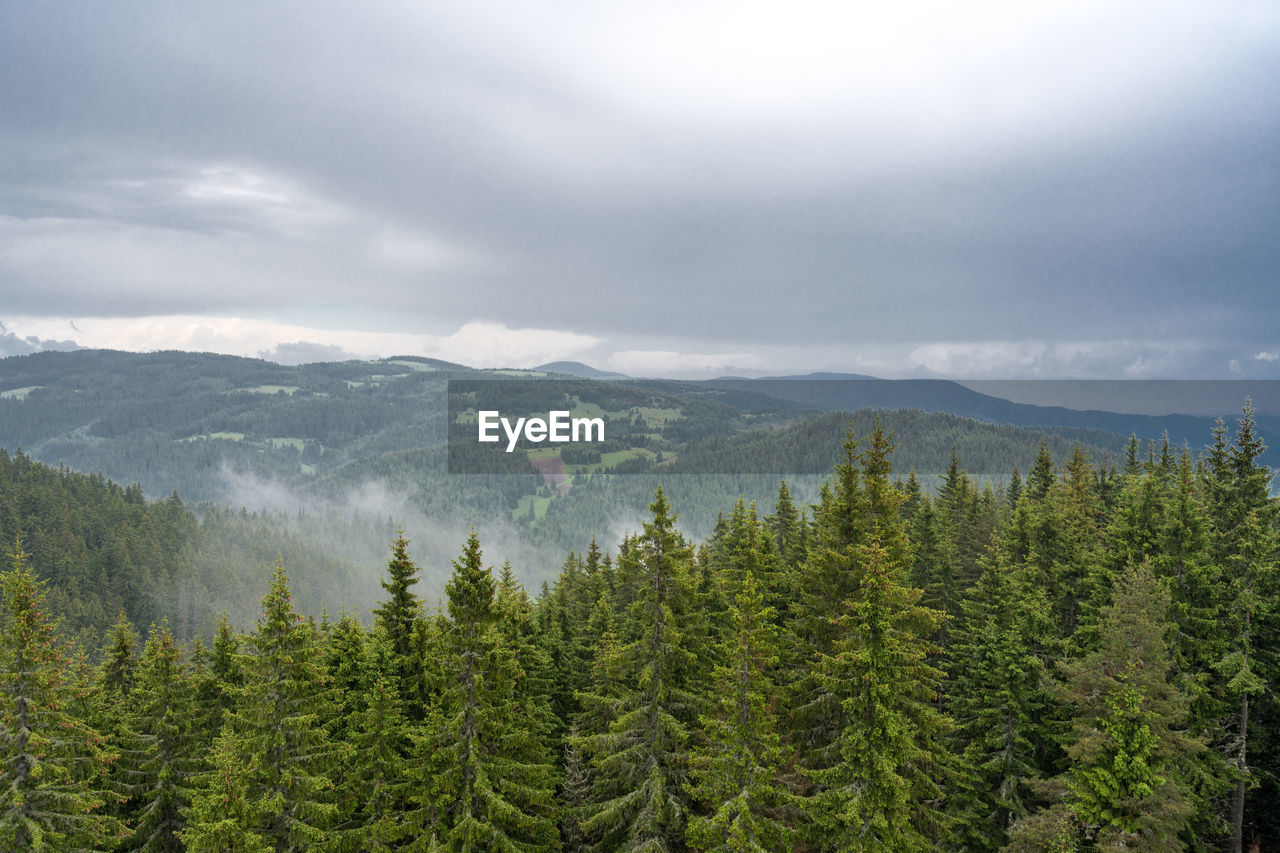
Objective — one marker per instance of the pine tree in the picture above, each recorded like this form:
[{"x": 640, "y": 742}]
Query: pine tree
[
  {"x": 737, "y": 773},
  {"x": 575, "y": 790},
  {"x": 786, "y": 525},
  {"x": 277, "y": 730},
  {"x": 373, "y": 792},
  {"x": 226, "y": 810},
  {"x": 1041, "y": 478},
  {"x": 398, "y": 617},
  {"x": 351, "y": 670},
  {"x": 119, "y": 668},
  {"x": 53, "y": 763},
  {"x": 1240, "y": 581},
  {"x": 1245, "y": 544},
  {"x": 562, "y": 638},
  {"x": 162, "y": 747},
  {"x": 880, "y": 789},
  {"x": 824, "y": 582},
  {"x": 534, "y": 679},
  {"x": 999, "y": 700},
  {"x": 932, "y": 571},
  {"x": 639, "y": 802},
  {"x": 883, "y": 792},
  {"x": 497, "y": 778},
  {"x": 222, "y": 678},
  {"x": 1125, "y": 788},
  {"x": 604, "y": 695},
  {"x": 1081, "y": 582},
  {"x": 1014, "y": 493},
  {"x": 956, "y": 515},
  {"x": 748, "y": 550}
]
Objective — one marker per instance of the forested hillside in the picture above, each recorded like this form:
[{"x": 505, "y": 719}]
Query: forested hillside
[
  {"x": 1085, "y": 660},
  {"x": 103, "y": 550},
  {"x": 175, "y": 421},
  {"x": 318, "y": 439}
]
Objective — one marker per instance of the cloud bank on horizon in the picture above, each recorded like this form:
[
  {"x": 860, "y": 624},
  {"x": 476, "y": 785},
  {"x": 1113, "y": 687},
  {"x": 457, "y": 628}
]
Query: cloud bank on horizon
[{"x": 999, "y": 189}]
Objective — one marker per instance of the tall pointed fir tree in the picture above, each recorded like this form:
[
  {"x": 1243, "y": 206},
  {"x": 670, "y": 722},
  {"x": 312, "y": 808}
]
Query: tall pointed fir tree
[
  {"x": 1080, "y": 574},
  {"x": 787, "y": 526},
  {"x": 278, "y": 730},
  {"x": 533, "y": 683},
  {"x": 373, "y": 792},
  {"x": 226, "y": 810},
  {"x": 221, "y": 678},
  {"x": 120, "y": 663},
  {"x": 562, "y": 638},
  {"x": 882, "y": 791},
  {"x": 737, "y": 772},
  {"x": 1243, "y": 544},
  {"x": 399, "y": 618},
  {"x": 640, "y": 763},
  {"x": 605, "y": 693},
  {"x": 999, "y": 698},
  {"x": 1231, "y": 598},
  {"x": 495, "y": 780},
  {"x": 601, "y": 701},
  {"x": 1130, "y": 756},
  {"x": 53, "y": 763},
  {"x": 823, "y": 582},
  {"x": 162, "y": 749}
]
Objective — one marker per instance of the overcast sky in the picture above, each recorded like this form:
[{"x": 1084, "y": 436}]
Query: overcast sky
[{"x": 1074, "y": 189}]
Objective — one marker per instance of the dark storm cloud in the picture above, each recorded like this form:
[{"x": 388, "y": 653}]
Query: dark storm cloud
[{"x": 494, "y": 164}]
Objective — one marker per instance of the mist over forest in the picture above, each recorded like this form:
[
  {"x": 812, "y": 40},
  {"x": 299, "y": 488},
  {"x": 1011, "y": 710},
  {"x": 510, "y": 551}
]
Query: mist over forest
[{"x": 752, "y": 617}]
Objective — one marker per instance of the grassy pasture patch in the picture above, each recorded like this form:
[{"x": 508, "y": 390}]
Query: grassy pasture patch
[{"x": 18, "y": 393}]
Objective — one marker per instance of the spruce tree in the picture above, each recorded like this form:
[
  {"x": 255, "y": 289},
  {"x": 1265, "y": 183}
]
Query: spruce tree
[
  {"x": 1041, "y": 477},
  {"x": 351, "y": 669},
  {"x": 398, "y": 617},
  {"x": 227, "y": 811},
  {"x": 825, "y": 582},
  {"x": 575, "y": 790},
  {"x": 53, "y": 762},
  {"x": 605, "y": 692},
  {"x": 878, "y": 786},
  {"x": 218, "y": 685},
  {"x": 496, "y": 777},
  {"x": 737, "y": 771},
  {"x": 120, "y": 664},
  {"x": 162, "y": 748},
  {"x": 640, "y": 762},
  {"x": 786, "y": 525},
  {"x": 883, "y": 792},
  {"x": 1130, "y": 756},
  {"x": 277, "y": 730},
  {"x": 999, "y": 701},
  {"x": 372, "y": 791},
  {"x": 534, "y": 679}
]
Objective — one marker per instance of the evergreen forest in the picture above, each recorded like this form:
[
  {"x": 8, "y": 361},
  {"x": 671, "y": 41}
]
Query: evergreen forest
[{"x": 1084, "y": 659}]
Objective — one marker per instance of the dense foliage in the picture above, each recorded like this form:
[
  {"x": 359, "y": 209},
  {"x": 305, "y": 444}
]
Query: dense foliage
[
  {"x": 104, "y": 549},
  {"x": 1084, "y": 660}
]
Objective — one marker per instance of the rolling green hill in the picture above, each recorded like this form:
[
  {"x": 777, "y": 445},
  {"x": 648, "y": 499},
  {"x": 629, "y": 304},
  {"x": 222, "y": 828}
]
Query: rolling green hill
[{"x": 335, "y": 439}]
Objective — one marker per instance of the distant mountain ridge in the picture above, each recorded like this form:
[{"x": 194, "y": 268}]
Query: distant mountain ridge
[
  {"x": 944, "y": 395},
  {"x": 177, "y": 420},
  {"x": 577, "y": 368}
]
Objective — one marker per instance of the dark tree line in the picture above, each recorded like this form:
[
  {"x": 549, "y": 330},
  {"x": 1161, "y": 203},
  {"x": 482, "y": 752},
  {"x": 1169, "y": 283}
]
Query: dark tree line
[{"x": 1083, "y": 661}]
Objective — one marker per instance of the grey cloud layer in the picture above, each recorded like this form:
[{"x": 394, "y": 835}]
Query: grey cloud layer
[{"x": 1117, "y": 181}]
